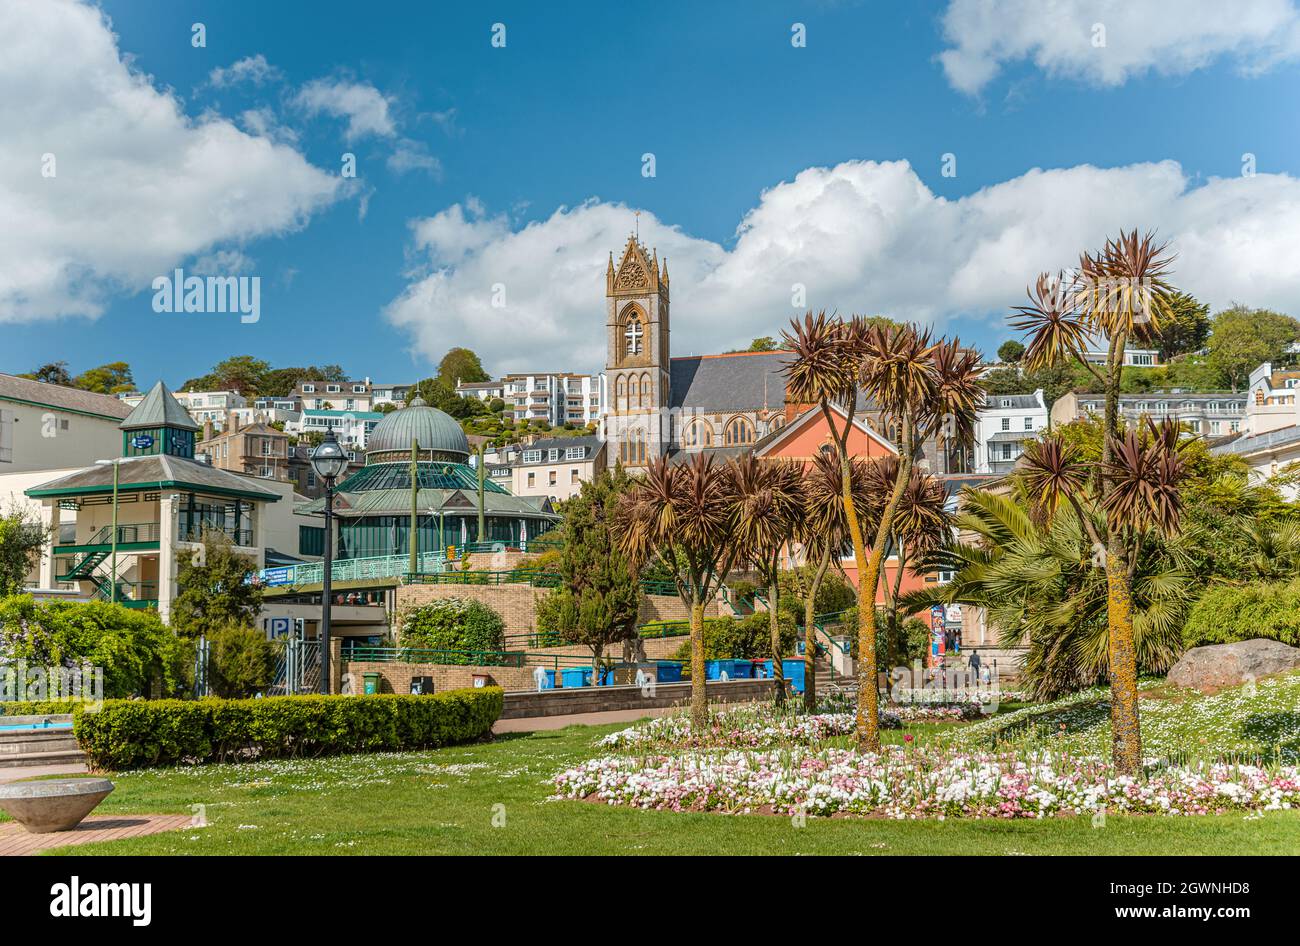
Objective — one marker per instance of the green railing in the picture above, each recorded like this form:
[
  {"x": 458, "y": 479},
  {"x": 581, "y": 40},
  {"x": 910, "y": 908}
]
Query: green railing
[
  {"x": 127, "y": 533},
  {"x": 353, "y": 569},
  {"x": 137, "y": 593},
  {"x": 515, "y": 576},
  {"x": 478, "y": 658}
]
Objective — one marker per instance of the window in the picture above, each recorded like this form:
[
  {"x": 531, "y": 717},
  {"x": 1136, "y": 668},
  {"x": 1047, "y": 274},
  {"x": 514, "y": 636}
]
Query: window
[
  {"x": 620, "y": 393},
  {"x": 532, "y": 456},
  {"x": 1029, "y": 423},
  {"x": 358, "y": 389},
  {"x": 553, "y": 454},
  {"x": 266, "y": 448},
  {"x": 738, "y": 431},
  {"x": 575, "y": 453},
  {"x": 532, "y": 481},
  {"x": 573, "y": 476},
  {"x": 1006, "y": 451},
  {"x": 333, "y": 388},
  {"x": 634, "y": 335},
  {"x": 699, "y": 433},
  {"x": 309, "y": 389},
  {"x": 552, "y": 478},
  {"x": 646, "y": 391},
  {"x": 632, "y": 450},
  {"x": 1006, "y": 423}
]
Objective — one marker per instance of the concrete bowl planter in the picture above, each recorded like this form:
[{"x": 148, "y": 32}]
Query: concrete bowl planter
[{"x": 57, "y": 804}]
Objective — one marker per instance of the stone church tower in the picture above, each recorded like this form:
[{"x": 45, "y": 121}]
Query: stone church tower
[{"x": 637, "y": 393}]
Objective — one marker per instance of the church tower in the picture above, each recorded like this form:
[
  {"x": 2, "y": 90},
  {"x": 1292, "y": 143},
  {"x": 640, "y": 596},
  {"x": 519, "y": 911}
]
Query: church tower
[{"x": 636, "y": 361}]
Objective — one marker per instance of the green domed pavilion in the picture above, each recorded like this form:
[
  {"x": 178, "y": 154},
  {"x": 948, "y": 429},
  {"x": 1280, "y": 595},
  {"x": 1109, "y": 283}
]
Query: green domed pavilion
[{"x": 374, "y": 504}]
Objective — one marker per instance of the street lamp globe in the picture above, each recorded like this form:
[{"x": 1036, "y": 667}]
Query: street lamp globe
[{"x": 329, "y": 458}]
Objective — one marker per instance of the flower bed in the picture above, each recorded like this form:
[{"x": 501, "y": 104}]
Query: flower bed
[
  {"x": 916, "y": 783},
  {"x": 947, "y": 697},
  {"x": 758, "y": 727}
]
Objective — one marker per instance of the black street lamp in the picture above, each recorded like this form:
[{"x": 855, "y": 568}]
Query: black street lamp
[{"x": 328, "y": 460}]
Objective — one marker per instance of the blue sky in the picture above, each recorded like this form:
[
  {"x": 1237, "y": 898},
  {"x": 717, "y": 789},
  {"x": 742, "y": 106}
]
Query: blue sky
[{"x": 523, "y": 165}]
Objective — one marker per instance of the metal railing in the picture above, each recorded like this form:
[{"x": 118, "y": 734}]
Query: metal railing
[
  {"x": 475, "y": 658},
  {"x": 126, "y": 532},
  {"x": 193, "y": 532}
]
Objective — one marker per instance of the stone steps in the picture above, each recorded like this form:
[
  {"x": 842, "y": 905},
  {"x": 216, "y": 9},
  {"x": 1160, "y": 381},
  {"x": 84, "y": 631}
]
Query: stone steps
[{"x": 25, "y": 747}]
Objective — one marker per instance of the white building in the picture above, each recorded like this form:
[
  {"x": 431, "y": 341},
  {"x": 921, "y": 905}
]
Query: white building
[
  {"x": 555, "y": 468},
  {"x": 203, "y": 406},
  {"x": 1271, "y": 400},
  {"x": 1003, "y": 424},
  {"x": 395, "y": 394},
  {"x": 351, "y": 427},
  {"x": 1097, "y": 351},
  {"x": 558, "y": 399}
]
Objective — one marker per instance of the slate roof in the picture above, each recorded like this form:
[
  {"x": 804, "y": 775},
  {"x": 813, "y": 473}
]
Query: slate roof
[
  {"x": 154, "y": 472},
  {"x": 729, "y": 382},
  {"x": 397, "y": 502},
  {"x": 590, "y": 447},
  {"x": 159, "y": 409},
  {"x": 1007, "y": 402},
  {"x": 57, "y": 396}
]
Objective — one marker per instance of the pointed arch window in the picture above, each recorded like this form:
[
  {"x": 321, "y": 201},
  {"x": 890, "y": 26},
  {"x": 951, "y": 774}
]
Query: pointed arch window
[
  {"x": 632, "y": 448},
  {"x": 634, "y": 335},
  {"x": 646, "y": 391},
  {"x": 620, "y": 393},
  {"x": 738, "y": 432},
  {"x": 699, "y": 433}
]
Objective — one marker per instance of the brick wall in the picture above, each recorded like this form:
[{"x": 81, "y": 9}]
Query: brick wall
[
  {"x": 396, "y": 677},
  {"x": 605, "y": 699},
  {"x": 517, "y": 604}
]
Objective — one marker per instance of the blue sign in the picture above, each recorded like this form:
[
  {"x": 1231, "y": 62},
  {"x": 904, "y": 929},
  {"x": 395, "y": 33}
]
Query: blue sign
[
  {"x": 142, "y": 441},
  {"x": 277, "y": 576},
  {"x": 280, "y": 626}
]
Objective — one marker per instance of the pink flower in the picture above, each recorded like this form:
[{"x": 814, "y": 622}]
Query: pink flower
[{"x": 907, "y": 738}]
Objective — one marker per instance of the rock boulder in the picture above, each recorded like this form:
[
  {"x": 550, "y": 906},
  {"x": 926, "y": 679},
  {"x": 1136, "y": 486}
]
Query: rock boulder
[{"x": 1217, "y": 666}]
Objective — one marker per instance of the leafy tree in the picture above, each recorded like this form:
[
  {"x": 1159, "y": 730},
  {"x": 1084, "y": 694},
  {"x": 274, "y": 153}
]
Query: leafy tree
[
  {"x": 1241, "y": 339},
  {"x": 496, "y": 405},
  {"x": 55, "y": 372},
  {"x": 1010, "y": 352},
  {"x": 215, "y": 588},
  {"x": 22, "y": 541},
  {"x": 112, "y": 378},
  {"x": 598, "y": 599},
  {"x": 460, "y": 365},
  {"x": 766, "y": 343},
  {"x": 462, "y": 625},
  {"x": 385, "y": 408},
  {"x": 134, "y": 648},
  {"x": 1226, "y": 614},
  {"x": 1186, "y": 328}
]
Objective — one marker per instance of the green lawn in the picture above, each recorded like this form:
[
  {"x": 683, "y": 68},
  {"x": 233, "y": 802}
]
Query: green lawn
[{"x": 446, "y": 801}]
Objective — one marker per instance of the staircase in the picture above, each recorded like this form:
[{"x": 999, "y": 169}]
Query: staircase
[{"x": 26, "y": 747}]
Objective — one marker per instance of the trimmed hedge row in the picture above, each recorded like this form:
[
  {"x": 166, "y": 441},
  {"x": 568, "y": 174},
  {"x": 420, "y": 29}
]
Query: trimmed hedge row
[
  {"x": 135, "y": 734},
  {"x": 38, "y": 707}
]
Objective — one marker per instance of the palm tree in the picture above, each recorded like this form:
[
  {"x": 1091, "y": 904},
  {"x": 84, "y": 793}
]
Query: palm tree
[
  {"x": 686, "y": 516},
  {"x": 767, "y": 511},
  {"x": 1035, "y": 581},
  {"x": 824, "y": 534},
  {"x": 1121, "y": 293}
]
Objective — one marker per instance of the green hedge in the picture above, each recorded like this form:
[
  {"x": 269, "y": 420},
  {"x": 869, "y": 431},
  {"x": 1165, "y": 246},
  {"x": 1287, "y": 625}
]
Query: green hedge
[
  {"x": 134, "y": 734},
  {"x": 38, "y": 707}
]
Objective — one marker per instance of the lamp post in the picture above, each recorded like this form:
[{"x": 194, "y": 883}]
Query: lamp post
[
  {"x": 112, "y": 562},
  {"x": 328, "y": 460}
]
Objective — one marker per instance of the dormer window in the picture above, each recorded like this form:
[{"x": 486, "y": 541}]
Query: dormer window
[{"x": 309, "y": 389}]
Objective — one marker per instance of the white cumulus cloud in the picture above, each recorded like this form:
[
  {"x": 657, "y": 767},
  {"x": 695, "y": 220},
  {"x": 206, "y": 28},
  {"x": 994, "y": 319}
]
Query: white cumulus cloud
[
  {"x": 1064, "y": 38},
  {"x": 137, "y": 186},
  {"x": 862, "y": 236},
  {"x": 365, "y": 107},
  {"x": 251, "y": 69}
]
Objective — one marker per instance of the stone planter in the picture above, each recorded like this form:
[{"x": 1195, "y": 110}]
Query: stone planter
[{"x": 56, "y": 804}]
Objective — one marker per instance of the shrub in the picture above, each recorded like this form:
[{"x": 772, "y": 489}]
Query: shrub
[
  {"x": 1229, "y": 613},
  {"x": 38, "y": 707},
  {"x": 749, "y": 638},
  {"x": 242, "y": 662},
  {"x": 134, "y": 648},
  {"x": 454, "y": 624},
  {"x": 134, "y": 734}
]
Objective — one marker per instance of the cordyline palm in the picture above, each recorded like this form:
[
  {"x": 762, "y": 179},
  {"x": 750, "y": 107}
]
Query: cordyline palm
[
  {"x": 824, "y": 534},
  {"x": 768, "y": 506},
  {"x": 686, "y": 515},
  {"x": 1121, "y": 292},
  {"x": 926, "y": 388}
]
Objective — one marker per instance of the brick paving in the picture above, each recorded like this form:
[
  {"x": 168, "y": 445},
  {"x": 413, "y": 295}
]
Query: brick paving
[{"x": 15, "y": 841}]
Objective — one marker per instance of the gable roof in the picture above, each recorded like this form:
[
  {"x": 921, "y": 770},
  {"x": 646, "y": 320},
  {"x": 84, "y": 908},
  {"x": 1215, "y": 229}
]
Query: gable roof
[
  {"x": 159, "y": 409},
  {"x": 812, "y": 416},
  {"x": 42, "y": 394}
]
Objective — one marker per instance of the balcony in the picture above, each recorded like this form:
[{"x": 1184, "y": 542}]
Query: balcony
[
  {"x": 135, "y": 536},
  {"x": 193, "y": 532}
]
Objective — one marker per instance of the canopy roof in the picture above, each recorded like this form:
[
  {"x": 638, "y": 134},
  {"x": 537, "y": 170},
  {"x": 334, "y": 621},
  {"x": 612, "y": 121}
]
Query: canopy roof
[{"x": 159, "y": 472}]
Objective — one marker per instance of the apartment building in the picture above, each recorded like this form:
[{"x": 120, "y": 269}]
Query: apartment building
[
  {"x": 558, "y": 399},
  {"x": 1215, "y": 414},
  {"x": 352, "y": 427}
]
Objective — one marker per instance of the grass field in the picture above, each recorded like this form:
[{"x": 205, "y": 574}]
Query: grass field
[{"x": 491, "y": 798}]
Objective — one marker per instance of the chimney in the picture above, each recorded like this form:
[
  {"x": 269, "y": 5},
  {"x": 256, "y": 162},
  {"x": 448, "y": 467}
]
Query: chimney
[
  {"x": 232, "y": 422},
  {"x": 207, "y": 429}
]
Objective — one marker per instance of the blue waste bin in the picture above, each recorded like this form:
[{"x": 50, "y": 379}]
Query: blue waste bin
[
  {"x": 732, "y": 669},
  {"x": 668, "y": 671},
  {"x": 792, "y": 669},
  {"x": 576, "y": 676},
  {"x": 550, "y": 680},
  {"x": 607, "y": 676}
]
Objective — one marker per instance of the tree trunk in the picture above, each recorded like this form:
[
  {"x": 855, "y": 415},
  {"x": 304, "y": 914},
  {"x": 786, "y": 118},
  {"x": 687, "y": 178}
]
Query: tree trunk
[
  {"x": 699, "y": 696},
  {"x": 868, "y": 718},
  {"x": 596, "y": 651},
  {"x": 1126, "y": 732},
  {"x": 774, "y": 626},
  {"x": 810, "y": 634}
]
